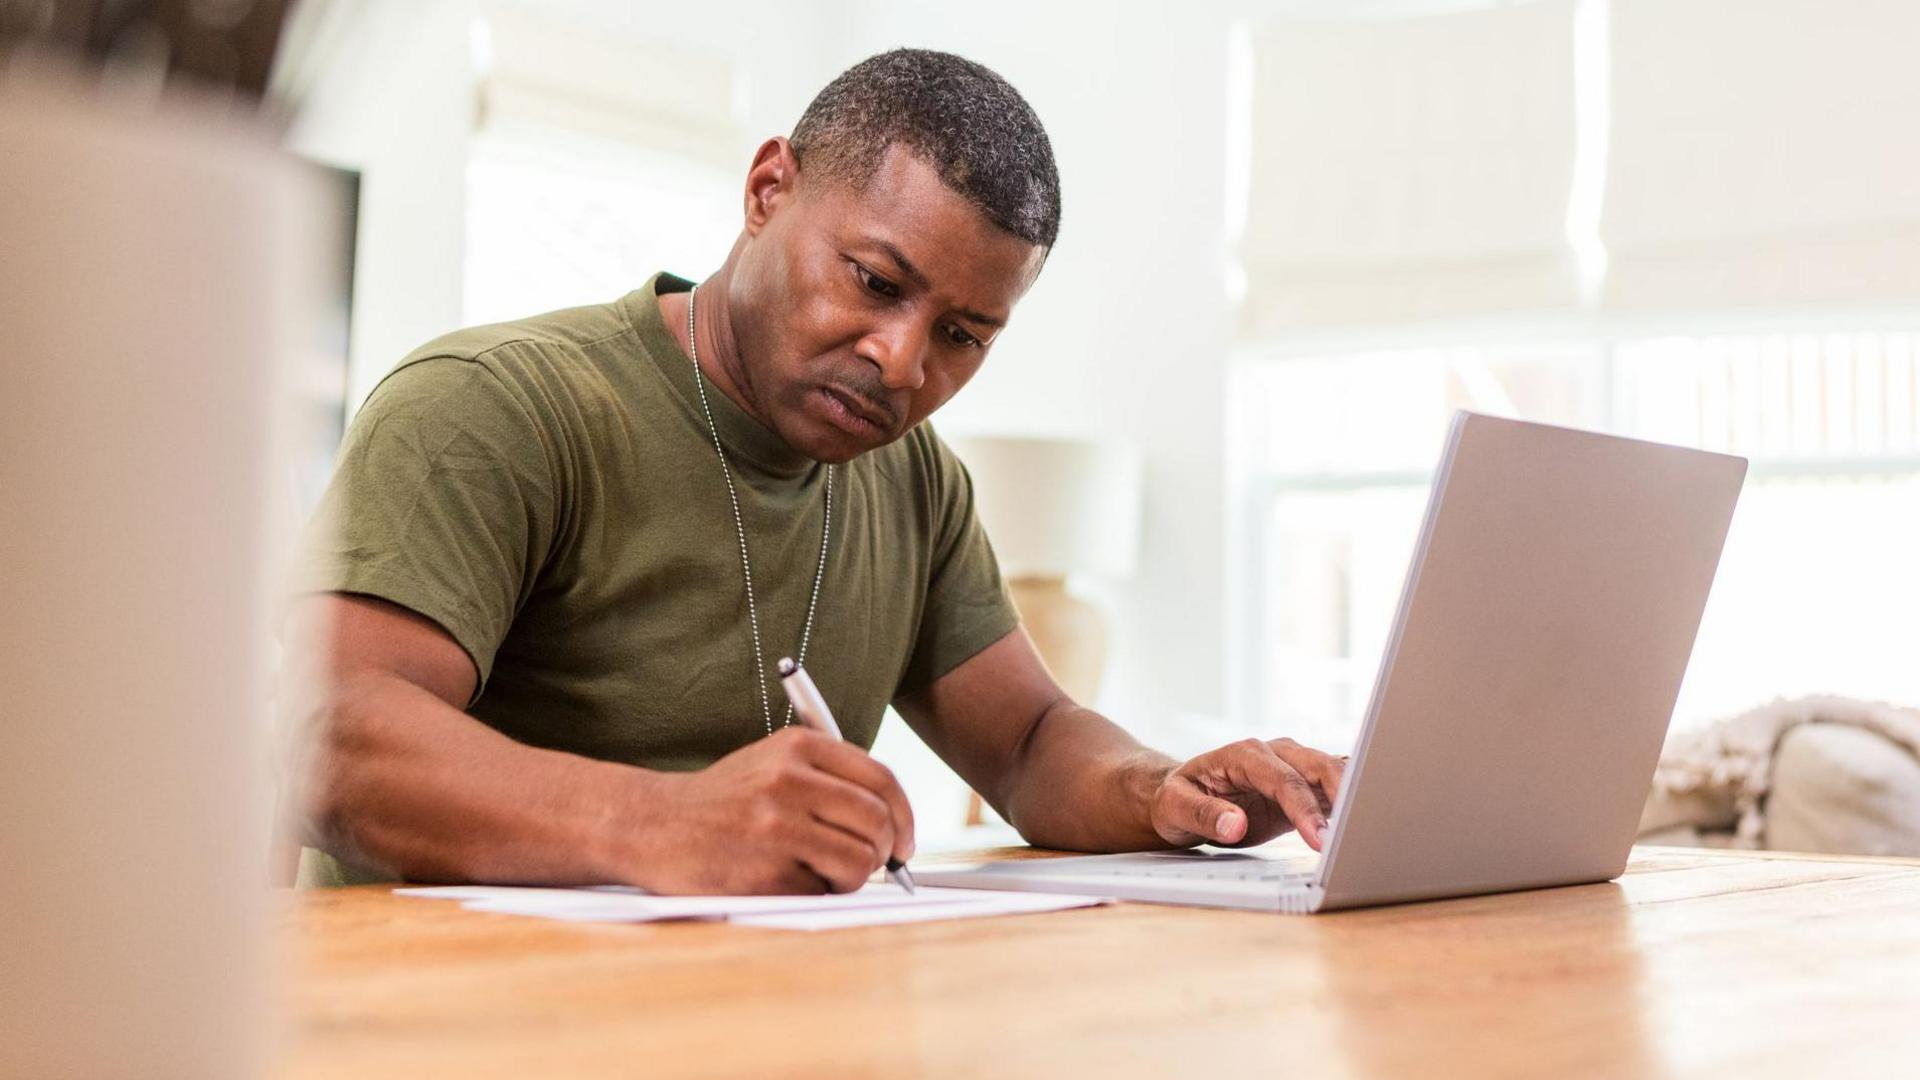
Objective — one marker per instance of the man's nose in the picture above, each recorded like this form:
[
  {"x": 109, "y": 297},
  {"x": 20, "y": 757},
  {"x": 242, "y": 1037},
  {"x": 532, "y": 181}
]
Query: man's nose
[{"x": 899, "y": 350}]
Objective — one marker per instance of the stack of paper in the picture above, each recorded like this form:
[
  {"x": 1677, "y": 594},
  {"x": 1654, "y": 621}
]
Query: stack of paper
[{"x": 873, "y": 905}]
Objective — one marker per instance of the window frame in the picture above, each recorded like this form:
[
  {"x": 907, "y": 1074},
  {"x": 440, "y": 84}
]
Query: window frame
[{"x": 1252, "y": 486}]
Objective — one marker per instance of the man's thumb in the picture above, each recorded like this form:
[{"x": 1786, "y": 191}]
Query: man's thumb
[
  {"x": 1229, "y": 822},
  {"x": 1214, "y": 820}
]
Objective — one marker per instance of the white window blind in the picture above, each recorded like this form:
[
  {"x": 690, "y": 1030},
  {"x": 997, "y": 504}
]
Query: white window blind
[
  {"x": 598, "y": 160},
  {"x": 539, "y": 73},
  {"x": 1763, "y": 153},
  {"x": 1409, "y": 169},
  {"x": 558, "y": 220}
]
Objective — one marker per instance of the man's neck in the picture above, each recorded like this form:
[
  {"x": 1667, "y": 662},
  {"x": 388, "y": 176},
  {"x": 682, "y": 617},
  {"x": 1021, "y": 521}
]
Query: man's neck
[{"x": 718, "y": 352}]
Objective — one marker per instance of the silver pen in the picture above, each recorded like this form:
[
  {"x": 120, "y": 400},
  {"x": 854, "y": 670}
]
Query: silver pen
[{"x": 812, "y": 710}]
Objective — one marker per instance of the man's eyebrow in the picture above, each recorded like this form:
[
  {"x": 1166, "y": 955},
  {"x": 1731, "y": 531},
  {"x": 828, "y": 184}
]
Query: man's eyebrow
[{"x": 913, "y": 274}]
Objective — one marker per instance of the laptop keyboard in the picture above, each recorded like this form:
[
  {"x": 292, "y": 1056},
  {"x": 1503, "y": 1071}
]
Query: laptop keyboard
[
  {"x": 1275, "y": 874},
  {"x": 1216, "y": 868}
]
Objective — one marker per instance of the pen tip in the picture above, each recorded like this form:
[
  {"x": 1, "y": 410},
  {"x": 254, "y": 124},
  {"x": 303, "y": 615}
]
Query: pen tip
[
  {"x": 897, "y": 870},
  {"x": 786, "y": 666}
]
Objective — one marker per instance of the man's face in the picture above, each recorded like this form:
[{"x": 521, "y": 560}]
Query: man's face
[{"x": 860, "y": 312}]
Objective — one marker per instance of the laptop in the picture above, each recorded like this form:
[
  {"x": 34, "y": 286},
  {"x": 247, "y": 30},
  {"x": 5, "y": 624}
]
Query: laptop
[{"x": 1510, "y": 741}]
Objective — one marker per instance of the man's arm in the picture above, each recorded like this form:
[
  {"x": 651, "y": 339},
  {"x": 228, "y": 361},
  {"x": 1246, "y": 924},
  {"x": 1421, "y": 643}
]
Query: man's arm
[
  {"x": 1069, "y": 778},
  {"x": 394, "y": 775}
]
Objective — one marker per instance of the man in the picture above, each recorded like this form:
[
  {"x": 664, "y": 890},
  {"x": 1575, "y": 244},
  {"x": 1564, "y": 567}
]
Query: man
[{"x": 561, "y": 556}]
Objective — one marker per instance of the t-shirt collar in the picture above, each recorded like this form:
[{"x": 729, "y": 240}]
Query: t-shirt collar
[{"x": 748, "y": 442}]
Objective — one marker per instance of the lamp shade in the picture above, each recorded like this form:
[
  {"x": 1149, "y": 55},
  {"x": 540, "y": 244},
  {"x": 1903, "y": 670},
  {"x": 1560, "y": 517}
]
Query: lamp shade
[{"x": 1054, "y": 507}]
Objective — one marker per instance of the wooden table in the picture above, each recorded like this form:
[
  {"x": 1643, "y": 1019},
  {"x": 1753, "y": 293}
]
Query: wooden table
[{"x": 1694, "y": 964}]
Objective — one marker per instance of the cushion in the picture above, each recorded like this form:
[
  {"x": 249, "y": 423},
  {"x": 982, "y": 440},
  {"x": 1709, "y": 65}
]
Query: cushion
[{"x": 1842, "y": 789}]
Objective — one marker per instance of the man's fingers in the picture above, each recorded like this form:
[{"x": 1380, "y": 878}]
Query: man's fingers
[
  {"x": 857, "y": 812},
  {"x": 850, "y": 763},
  {"x": 1263, "y": 772},
  {"x": 842, "y": 860},
  {"x": 1208, "y": 817},
  {"x": 795, "y": 880},
  {"x": 1323, "y": 769}
]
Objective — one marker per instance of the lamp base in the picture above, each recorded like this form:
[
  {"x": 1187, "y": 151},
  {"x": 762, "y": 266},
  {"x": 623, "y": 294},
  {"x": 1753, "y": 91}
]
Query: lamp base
[
  {"x": 1071, "y": 636},
  {"x": 1070, "y": 633}
]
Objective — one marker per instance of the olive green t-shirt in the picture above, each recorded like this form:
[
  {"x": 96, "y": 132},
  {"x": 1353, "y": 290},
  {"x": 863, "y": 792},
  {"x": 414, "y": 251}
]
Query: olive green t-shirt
[{"x": 548, "y": 492}]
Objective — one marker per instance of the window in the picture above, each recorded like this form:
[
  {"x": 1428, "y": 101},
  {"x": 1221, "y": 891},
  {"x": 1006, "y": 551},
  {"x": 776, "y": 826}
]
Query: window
[
  {"x": 559, "y": 219},
  {"x": 1819, "y": 587}
]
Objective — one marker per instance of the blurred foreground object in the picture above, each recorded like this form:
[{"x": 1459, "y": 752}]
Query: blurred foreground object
[
  {"x": 152, "y": 281},
  {"x": 1054, "y": 508},
  {"x": 1819, "y": 774}
]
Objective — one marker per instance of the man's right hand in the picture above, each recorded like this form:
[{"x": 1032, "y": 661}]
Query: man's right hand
[
  {"x": 796, "y": 812},
  {"x": 397, "y": 779}
]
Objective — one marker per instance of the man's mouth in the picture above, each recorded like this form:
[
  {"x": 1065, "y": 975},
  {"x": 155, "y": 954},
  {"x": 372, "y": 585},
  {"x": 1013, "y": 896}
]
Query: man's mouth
[{"x": 856, "y": 415}]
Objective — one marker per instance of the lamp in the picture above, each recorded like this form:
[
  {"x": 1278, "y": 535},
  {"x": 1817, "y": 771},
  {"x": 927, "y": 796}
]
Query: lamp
[{"x": 1055, "y": 508}]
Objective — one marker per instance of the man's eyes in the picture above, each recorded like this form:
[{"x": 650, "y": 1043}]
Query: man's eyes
[
  {"x": 887, "y": 290},
  {"x": 961, "y": 338},
  {"x": 876, "y": 284}
]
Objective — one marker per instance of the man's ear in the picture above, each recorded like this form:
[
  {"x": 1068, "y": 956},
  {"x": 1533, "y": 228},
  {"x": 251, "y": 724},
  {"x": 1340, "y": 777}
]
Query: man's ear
[{"x": 771, "y": 181}]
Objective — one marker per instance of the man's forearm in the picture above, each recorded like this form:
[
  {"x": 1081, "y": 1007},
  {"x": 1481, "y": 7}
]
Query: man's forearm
[
  {"x": 402, "y": 782},
  {"x": 1081, "y": 783}
]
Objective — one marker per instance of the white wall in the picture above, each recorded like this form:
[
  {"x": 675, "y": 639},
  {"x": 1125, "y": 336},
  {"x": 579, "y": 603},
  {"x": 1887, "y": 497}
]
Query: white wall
[{"x": 396, "y": 103}]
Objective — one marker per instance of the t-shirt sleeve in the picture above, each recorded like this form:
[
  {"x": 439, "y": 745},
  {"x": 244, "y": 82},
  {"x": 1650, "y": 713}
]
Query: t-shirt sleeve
[
  {"x": 967, "y": 607},
  {"x": 443, "y": 502}
]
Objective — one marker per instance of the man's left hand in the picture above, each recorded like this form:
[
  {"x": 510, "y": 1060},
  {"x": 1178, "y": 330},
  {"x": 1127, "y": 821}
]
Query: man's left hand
[{"x": 1247, "y": 793}]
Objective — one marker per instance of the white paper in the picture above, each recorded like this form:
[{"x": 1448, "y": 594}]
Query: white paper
[
  {"x": 978, "y": 902},
  {"x": 873, "y": 905},
  {"x": 493, "y": 892}
]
